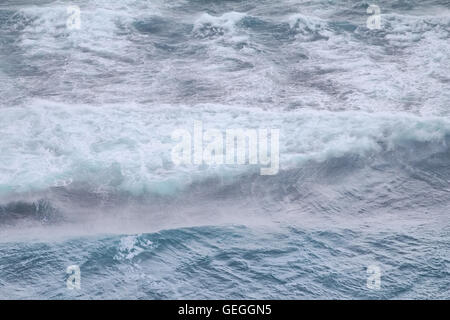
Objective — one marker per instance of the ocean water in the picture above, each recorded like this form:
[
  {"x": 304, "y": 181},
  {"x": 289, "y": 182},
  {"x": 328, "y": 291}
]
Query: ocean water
[{"x": 87, "y": 178}]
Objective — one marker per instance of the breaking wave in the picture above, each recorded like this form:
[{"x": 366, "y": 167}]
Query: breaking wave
[{"x": 87, "y": 178}]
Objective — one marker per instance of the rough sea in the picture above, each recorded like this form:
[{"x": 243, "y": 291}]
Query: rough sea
[{"x": 89, "y": 100}]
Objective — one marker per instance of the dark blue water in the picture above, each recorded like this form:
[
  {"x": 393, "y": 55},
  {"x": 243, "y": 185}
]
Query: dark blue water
[{"x": 87, "y": 178}]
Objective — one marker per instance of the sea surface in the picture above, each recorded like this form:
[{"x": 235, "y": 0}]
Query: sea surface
[{"x": 88, "y": 107}]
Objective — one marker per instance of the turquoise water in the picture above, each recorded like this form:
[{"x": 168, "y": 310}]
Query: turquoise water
[{"x": 87, "y": 179}]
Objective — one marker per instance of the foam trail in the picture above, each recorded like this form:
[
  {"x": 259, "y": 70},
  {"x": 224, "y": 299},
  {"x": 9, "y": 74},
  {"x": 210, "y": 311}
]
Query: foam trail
[{"x": 87, "y": 177}]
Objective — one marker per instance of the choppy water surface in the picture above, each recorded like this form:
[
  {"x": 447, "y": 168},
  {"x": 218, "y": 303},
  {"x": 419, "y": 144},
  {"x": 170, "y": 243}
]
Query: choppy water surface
[{"x": 86, "y": 176}]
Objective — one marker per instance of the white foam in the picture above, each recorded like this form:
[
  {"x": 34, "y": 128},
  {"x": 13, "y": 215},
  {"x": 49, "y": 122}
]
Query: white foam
[{"x": 127, "y": 148}]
